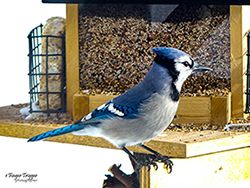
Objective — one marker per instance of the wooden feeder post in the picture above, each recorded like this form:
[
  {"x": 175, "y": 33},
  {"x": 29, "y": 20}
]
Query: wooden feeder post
[
  {"x": 72, "y": 54},
  {"x": 239, "y": 25}
]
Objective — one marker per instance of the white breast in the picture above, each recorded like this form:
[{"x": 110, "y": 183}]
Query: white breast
[{"x": 158, "y": 113}]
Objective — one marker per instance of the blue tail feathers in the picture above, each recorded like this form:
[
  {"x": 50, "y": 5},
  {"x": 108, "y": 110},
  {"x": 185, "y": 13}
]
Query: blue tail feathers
[{"x": 57, "y": 132}]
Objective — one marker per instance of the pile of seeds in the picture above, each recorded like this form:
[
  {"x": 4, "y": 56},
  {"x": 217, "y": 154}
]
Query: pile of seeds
[
  {"x": 52, "y": 120},
  {"x": 187, "y": 128},
  {"x": 206, "y": 85},
  {"x": 116, "y": 40}
]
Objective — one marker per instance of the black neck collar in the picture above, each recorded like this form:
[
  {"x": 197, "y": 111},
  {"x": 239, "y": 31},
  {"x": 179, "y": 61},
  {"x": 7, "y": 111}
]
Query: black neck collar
[{"x": 169, "y": 65}]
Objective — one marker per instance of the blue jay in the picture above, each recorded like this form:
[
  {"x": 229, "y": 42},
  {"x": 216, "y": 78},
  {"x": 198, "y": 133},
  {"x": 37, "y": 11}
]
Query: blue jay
[{"x": 141, "y": 113}]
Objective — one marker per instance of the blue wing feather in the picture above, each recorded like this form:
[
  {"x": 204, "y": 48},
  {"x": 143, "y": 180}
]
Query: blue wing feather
[{"x": 107, "y": 110}]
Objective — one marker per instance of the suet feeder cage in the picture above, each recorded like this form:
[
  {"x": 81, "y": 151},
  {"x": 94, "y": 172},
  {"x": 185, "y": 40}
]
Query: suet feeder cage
[{"x": 47, "y": 75}]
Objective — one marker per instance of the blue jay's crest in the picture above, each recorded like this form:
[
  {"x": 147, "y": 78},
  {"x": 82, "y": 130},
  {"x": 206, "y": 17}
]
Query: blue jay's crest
[
  {"x": 169, "y": 53},
  {"x": 110, "y": 109}
]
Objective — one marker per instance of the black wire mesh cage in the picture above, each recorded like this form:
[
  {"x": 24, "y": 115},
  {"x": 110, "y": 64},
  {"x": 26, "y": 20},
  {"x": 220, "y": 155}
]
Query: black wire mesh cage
[
  {"x": 47, "y": 74},
  {"x": 248, "y": 75}
]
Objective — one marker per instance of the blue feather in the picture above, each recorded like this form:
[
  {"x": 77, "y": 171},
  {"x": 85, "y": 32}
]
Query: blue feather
[
  {"x": 169, "y": 53},
  {"x": 111, "y": 109},
  {"x": 60, "y": 131},
  {"x": 55, "y": 132}
]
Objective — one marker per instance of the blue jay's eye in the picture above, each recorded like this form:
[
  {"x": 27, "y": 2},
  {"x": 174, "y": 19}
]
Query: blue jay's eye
[{"x": 185, "y": 63}]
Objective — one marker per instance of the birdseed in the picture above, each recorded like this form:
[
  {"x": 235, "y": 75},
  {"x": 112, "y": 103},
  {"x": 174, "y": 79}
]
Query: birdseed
[{"x": 115, "y": 44}]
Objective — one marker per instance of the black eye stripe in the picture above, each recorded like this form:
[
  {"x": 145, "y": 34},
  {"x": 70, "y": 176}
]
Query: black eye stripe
[
  {"x": 186, "y": 63},
  {"x": 192, "y": 62}
]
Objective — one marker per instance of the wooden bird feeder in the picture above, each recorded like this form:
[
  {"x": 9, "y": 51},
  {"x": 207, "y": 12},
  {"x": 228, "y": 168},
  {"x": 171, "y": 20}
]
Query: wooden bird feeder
[
  {"x": 202, "y": 109},
  {"x": 212, "y": 154}
]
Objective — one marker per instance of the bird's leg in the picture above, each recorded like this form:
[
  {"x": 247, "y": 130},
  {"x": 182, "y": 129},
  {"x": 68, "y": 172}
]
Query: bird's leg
[
  {"x": 138, "y": 162},
  {"x": 165, "y": 159}
]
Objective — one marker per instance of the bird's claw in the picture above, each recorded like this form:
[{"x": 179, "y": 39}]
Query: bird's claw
[
  {"x": 148, "y": 164},
  {"x": 168, "y": 164}
]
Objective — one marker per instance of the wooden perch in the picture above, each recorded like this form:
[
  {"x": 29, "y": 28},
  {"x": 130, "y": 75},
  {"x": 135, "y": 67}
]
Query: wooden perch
[{"x": 120, "y": 179}]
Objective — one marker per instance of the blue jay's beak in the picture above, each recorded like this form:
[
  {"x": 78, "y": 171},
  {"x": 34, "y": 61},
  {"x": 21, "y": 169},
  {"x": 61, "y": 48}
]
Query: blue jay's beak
[{"x": 198, "y": 67}]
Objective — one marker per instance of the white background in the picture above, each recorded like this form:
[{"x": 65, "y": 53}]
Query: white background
[
  {"x": 17, "y": 18},
  {"x": 57, "y": 164}
]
